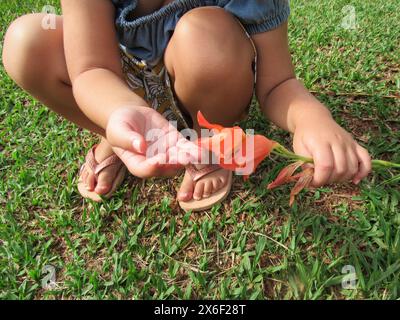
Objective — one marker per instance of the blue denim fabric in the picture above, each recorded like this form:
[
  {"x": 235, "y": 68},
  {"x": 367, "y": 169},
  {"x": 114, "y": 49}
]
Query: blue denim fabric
[{"x": 147, "y": 37}]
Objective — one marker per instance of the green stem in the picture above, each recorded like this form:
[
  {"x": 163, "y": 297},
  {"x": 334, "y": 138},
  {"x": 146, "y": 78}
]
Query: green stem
[
  {"x": 285, "y": 153},
  {"x": 378, "y": 164}
]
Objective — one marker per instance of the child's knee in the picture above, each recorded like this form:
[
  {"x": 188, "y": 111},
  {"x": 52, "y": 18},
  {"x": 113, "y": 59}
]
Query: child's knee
[
  {"x": 211, "y": 47},
  {"x": 24, "y": 48}
]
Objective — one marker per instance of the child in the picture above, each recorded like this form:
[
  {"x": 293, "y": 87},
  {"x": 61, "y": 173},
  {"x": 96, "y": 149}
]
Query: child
[{"x": 177, "y": 57}]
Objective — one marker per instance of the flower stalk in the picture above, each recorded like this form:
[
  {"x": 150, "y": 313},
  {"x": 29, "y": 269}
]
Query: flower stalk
[{"x": 281, "y": 151}]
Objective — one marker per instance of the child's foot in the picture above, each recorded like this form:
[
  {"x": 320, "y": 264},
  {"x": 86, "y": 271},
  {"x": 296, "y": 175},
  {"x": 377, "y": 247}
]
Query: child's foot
[
  {"x": 203, "y": 186},
  {"x": 103, "y": 182}
]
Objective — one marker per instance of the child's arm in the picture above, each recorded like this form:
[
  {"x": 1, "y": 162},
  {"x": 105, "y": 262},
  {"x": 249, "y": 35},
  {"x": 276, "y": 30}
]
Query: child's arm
[
  {"x": 287, "y": 103},
  {"x": 93, "y": 61}
]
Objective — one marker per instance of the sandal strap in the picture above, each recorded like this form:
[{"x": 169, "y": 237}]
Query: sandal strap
[
  {"x": 111, "y": 160},
  {"x": 198, "y": 174},
  {"x": 96, "y": 167},
  {"x": 90, "y": 160}
]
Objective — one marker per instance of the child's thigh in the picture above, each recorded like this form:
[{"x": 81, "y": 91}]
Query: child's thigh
[{"x": 34, "y": 45}]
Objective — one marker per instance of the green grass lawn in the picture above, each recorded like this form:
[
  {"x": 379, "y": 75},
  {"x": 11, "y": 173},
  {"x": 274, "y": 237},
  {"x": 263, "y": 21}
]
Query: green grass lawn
[{"x": 140, "y": 245}]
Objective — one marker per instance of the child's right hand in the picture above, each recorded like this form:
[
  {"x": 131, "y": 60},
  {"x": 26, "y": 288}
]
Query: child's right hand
[
  {"x": 129, "y": 131},
  {"x": 337, "y": 156}
]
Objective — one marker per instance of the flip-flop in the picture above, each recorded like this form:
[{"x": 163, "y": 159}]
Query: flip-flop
[
  {"x": 215, "y": 198},
  {"x": 96, "y": 168}
]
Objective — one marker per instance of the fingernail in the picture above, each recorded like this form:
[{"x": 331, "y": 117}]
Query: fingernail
[{"x": 136, "y": 145}]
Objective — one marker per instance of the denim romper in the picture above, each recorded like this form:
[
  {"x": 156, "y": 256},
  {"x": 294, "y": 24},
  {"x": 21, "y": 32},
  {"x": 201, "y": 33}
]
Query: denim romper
[{"x": 143, "y": 41}]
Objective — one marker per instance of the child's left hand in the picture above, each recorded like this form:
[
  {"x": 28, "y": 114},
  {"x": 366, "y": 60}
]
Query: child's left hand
[{"x": 337, "y": 156}]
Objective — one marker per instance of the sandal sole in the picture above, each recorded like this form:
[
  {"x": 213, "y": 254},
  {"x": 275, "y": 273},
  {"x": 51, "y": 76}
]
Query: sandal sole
[
  {"x": 94, "y": 196},
  {"x": 208, "y": 203}
]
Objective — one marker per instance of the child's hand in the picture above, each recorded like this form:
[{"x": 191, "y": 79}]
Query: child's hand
[
  {"x": 163, "y": 153},
  {"x": 337, "y": 156}
]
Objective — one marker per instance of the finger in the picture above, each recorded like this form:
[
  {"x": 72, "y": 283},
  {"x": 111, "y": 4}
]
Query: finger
[
  {"x": 176, "y": 157},
  {"x": 158, "y": 160},
  {"x": 137, "y": 164},
  {"x": 143, "y": 167},
  {"x": 177, "y": 148},
  {"x": 365, "y": 164},
  {"x": 123, "y": 136},
  {"x": 160, "y": 142},
  {"x": 166, "y": 144},
  {"x": 324, "y": 164},
  {"x": 303, "y": 151},
  {"x": 352, "y": 165},
  {"x": 191, "y": 150},
  {"x": 340, "y": 164},
  {"x": 171, "y": 171}
]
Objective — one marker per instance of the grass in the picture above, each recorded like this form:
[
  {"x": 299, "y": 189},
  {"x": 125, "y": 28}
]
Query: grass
[{"x": 140, "y": 245}]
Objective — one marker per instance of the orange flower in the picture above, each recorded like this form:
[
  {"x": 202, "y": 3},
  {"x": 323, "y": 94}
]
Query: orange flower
[
  {"x": 302, "y": 179},
  {"x": 230, "y": 145}
]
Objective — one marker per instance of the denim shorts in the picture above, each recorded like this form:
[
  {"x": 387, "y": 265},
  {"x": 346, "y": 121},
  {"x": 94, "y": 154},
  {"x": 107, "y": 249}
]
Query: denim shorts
[
  {"x": 147, "y": 37},
  {"x": 143, "y": 42}
]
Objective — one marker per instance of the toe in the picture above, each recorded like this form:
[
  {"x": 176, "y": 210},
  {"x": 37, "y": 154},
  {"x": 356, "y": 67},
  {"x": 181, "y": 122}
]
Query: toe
[
  {"x": 104, "y": 182},
  {"x": 90, "y": 181},
  {"x": 208, "y": 188},
  {"x": 198, "y": 190},
  {"x": 204, "y": 188},
  {"x": 217, "y": 185},
  {"x": 185, "y": 192},
  {"x": 83, "y": 176}
]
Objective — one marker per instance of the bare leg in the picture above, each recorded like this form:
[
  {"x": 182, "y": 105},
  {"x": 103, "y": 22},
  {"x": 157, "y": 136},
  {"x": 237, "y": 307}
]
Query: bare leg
[
  {"x": 209, "y": 59},
  {"x": 34, "y": 59}
]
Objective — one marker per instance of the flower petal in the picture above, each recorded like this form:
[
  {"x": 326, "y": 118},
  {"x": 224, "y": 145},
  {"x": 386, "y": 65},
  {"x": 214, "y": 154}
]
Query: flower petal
[
  {"x": 225, "y": 145},
  {"x": 205, "y": 124},
  {"x": 305, "y": 179},
  {"x": 262, "y": 149},
  {"x": 285, "y": 175},
  {"x": 230, "y": 145}
]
